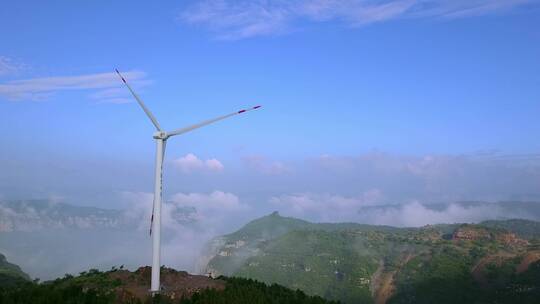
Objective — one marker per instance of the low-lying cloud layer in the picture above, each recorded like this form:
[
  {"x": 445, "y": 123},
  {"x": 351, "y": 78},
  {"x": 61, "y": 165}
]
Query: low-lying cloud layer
[
  {"x": 190, "y": 220},
  {"x": 366, "y": 210},
  {"x": 47, "y": 248},
  {"x": 415, "y": 214},
  {"x": 325, "y": 207}
]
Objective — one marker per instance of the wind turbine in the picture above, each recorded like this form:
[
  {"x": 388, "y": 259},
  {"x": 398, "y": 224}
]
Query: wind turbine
[{"x": 161, "y": 140}]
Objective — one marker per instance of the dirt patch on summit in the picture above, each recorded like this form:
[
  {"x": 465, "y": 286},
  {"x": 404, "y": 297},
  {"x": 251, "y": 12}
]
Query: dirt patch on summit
[{"x": 174, "y": 284}]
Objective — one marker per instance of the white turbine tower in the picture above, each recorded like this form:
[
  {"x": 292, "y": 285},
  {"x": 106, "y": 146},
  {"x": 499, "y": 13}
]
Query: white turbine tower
[{"x": 161, "y": 139}]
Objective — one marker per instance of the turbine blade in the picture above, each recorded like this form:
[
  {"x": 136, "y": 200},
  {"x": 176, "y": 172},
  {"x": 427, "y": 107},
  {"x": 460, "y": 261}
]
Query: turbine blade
[
  {"x": 207, "y": 122},
  {"x": 141, "y": 103}
]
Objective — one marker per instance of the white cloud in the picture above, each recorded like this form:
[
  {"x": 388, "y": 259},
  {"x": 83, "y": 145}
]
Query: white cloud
[
  {"x": 236, "y": 20},
  {"x": 232, "y": 19},
  {"x": 355, "y": 13},
  {"x": 326, "y": 207},
  {"x": 397, "y": 189},
  {"x": 9, "y": 66},
  {"x": 182, "y": 242},
  {"x": 188, "y": 163},
  {"x": 210, "y": 210},
  {"x": 415, "y": 214},
  {"x": 207, "y": 204},
  {"x": 367, "y": 209},
  {"x": 140, "y": 207},
  {"x": 104, "y": 87},
  {"x": 214, "y": 164},
  {"x": 466, "y": 8},
  {"x": 191, "y": 163}
]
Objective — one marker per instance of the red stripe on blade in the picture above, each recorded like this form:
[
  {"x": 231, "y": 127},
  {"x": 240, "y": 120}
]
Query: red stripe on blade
[
  {"x": 241, "y": 111},
  {"x": 120, "y": 75}
]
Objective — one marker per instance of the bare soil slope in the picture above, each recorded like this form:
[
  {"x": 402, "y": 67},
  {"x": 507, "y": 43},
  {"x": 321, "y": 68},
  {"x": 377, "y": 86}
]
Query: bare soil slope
[{"x": 175, "y": 284}]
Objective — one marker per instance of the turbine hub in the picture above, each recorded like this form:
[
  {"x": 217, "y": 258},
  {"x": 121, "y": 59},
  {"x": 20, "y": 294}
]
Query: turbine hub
[{"x": 161, "y": 135}]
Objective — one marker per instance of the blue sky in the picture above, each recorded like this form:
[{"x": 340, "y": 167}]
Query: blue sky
[{"x": 409, "y": 79}]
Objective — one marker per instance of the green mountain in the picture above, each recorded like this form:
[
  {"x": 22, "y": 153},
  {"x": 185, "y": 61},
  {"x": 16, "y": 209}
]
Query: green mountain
[
  {"x": 11, "y": 274},
  {"x": 354, "y": 263}
]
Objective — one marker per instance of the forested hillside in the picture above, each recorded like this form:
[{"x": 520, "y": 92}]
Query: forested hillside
[{"x": 357, "y": 263}]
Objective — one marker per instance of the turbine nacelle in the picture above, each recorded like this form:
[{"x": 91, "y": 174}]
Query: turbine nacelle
[{"x": 160, "y": 135}]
